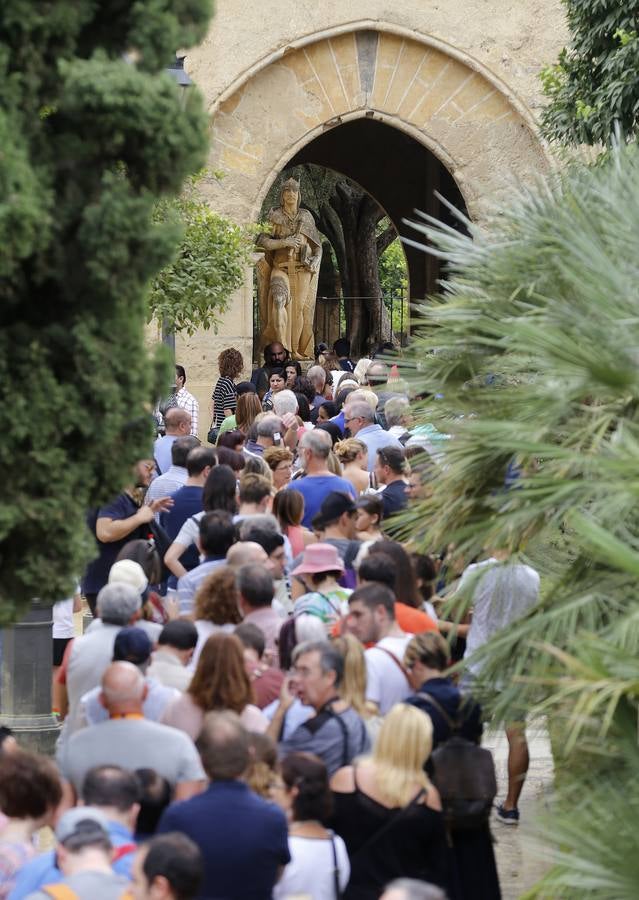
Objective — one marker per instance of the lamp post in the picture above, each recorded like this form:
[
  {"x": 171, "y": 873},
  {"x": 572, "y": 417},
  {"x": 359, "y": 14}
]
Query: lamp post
[{"x": 177, "y": 73}]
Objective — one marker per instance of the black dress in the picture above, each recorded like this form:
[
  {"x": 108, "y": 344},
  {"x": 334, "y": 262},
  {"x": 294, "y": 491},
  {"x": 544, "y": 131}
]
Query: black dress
[
  {"x": 474, "y": 871},
  {"x": 384, "y": 844}
]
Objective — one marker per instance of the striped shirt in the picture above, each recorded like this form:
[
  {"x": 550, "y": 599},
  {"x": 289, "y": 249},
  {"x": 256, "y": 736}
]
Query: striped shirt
[{"x": 224, "y": 397}]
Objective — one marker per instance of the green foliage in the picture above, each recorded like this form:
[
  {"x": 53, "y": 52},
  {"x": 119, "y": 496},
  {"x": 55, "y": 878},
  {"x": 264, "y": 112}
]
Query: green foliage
[
  {"x": 89, "y": 143},
  {"x": 393, "y": 271},
  {"x": 393, "y": 278},
  {"x": 533, "y": 354},
  {"x": 594, "y": 87},
  {"x": 194, "y": 290}
]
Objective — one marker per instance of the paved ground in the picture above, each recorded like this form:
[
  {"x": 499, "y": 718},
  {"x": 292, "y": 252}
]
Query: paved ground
[{"x": 519, "y": 864}]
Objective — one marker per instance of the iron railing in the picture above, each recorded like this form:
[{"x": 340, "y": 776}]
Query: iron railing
[{"x": 330, "y": 318}]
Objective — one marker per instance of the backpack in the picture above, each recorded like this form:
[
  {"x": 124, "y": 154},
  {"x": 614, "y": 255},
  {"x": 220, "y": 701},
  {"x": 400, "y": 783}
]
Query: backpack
[{"x": 464, "y": 775}]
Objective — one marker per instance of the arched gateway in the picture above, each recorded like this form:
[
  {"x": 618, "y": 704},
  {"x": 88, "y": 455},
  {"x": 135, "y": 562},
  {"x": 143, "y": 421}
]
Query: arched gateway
[{"x": 440, "y": 103}]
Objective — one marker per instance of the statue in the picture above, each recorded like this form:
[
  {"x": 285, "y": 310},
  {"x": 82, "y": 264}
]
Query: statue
[{"x": 288, "y": 274}]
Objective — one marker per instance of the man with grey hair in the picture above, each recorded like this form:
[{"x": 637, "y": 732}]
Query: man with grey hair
[
  {"x": 317, "y": 377},
  {"x": 268, "y": 433},
  {"x": 256, "y": 589},
  {"x": 359, "y": 418},
  {"x": 318, "y": 481},
  {"x": 243, "y": 838},
  {"x": 398, "y": 417},
  {"x": 336, "y": 733},
  {"x": 285, "y": 402},
  {"x": 87, "y": 657},
  {"x": 129, "y": 740}
]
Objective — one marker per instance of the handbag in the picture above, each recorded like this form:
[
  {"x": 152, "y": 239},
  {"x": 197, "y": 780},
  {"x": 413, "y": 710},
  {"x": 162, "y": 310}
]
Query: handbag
[{"x": 213, "y": 433}]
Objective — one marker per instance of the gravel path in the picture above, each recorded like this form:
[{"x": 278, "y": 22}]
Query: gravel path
[{"x": 519, "y": 862}]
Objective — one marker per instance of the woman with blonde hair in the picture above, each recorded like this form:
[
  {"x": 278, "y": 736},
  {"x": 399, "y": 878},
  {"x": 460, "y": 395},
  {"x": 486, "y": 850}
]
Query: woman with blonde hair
[
  {"x": 388, "y": 812},
  {"x": 215, "y": 608},
  {"x": 353, "y": 683},
  {"x": 220, "y": 682},
  {"x": 353, "y": 455}
]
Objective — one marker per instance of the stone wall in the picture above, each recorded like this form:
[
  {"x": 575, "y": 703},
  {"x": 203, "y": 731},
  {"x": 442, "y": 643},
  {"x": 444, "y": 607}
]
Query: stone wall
[{"x": 462, "y": 79}]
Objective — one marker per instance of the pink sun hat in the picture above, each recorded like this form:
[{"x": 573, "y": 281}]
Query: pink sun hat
[{"x": 319, "y": 558}]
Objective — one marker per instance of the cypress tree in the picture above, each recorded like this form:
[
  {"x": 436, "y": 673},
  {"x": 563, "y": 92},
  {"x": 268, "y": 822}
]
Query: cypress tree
[{"x": 92, "y": 134}]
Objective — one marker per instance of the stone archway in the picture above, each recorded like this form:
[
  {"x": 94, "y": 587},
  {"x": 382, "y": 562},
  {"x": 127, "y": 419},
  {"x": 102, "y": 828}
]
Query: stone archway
[
  {"x": 443, "y": 99},
  {"x": 448, "y": 102}
]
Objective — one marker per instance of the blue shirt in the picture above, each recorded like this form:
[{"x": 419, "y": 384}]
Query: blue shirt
[
  {"x": 162, "y": 452},
  {"x": 243, "y": 839},
  {"x": 188, "y": 584},
  {"x": 315, "y": 488},
  {"x": 42, "y": 869},
  {"x": 376, "y": 439},
  {"x": 187, "y": 502}
]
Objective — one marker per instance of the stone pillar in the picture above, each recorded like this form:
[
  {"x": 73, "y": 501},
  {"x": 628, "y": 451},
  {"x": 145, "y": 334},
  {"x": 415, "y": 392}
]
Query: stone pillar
[{"x": 26, "y": 660}]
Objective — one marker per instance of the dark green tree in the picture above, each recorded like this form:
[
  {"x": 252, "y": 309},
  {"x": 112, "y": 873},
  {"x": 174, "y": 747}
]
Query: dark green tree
[
  {"x": 594, "y": 87},
  {"x": 90, "y": 139}
]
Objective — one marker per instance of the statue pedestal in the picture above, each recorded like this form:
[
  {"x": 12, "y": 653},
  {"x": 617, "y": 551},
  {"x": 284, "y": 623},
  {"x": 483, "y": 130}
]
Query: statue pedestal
[{"x": 26, "y": 660}]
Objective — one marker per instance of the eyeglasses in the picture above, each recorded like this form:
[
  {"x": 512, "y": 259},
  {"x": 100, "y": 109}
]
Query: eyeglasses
[{"x": 352, "y": 419}]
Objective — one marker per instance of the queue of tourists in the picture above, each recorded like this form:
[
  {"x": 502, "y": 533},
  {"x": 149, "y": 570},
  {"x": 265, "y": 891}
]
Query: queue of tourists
[{"x": 260, "y": 707}]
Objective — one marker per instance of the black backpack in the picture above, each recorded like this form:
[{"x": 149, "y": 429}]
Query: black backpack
[{"x": 464, "y": 775}]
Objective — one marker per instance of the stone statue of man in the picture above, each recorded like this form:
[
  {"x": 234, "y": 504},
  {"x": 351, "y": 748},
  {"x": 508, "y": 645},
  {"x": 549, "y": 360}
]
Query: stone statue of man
[{"x": 288, "y": 274}]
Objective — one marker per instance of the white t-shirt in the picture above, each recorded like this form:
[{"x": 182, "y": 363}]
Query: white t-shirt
[
  {"x": 386, "y": 684},
  {"x": 63, "y": 619},
  {"x": 501, "y": 595},
  {"x": 310, "y": 871}
]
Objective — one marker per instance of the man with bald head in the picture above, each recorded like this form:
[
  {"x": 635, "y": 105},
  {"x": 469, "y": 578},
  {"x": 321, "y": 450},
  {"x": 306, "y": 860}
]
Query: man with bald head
[
  {"x": 245, "y": 553},
  {"x": 177, "y": 423},
  {"x": 129, "y": 740}
]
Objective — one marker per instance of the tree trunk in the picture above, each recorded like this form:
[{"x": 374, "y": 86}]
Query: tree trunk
[{"x": 349, "y": 217}]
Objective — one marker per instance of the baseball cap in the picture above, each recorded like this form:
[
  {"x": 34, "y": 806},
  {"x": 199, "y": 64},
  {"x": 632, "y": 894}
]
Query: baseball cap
[
  {"x": 126, "y": 571},
  {"x": 85, "y": 821},
  {"x": 335, "y": 505},
  {"x": 132, "y": 645}
]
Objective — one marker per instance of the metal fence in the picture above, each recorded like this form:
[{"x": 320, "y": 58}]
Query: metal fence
[{"x": 330, "y": 318}]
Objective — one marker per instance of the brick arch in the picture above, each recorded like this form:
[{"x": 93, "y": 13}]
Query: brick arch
[{"x": 463, "y": 114}]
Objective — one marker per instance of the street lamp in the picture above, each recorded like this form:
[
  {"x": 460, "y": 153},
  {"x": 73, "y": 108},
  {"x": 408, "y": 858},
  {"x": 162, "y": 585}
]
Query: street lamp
[{"x": 176, "y": 71}]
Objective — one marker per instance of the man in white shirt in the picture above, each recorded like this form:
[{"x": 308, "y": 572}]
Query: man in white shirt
[
  {"x": 502, "y": 592},
  {"x": 371, "y": 618},
  {"x": 185, "y": 400}
]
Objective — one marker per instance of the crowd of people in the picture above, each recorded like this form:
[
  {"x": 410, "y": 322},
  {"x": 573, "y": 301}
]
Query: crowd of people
[{"x": 260, "y": 705}]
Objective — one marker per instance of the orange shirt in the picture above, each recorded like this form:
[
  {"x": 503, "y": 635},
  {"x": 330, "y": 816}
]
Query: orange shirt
[
  {"x": 409, "y": 619},
  {"x": 412, "y": 620}
]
